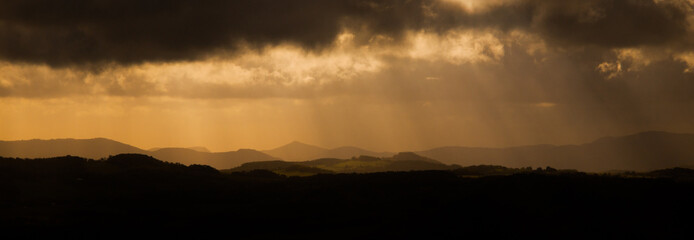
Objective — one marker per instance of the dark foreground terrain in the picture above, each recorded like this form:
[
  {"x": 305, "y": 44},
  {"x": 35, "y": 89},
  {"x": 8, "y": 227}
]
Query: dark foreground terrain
[{"x": 136, "y": 196}]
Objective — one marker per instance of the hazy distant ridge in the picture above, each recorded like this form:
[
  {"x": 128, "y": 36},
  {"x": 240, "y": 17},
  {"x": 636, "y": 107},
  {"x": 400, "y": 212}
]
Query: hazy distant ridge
[
  {"x": 101, "y": 148},
  {"x": 297, "y": 151},
  {"x": 406, "y": 161},
  {"x": 89, "y": 148},
  {"x": 640, "y": 152}
]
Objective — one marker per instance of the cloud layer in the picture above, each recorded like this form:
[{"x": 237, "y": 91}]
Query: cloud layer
[
  {"x": 396, "y": 74},
  {"x": 129, "y": 31},
  {"x": 88, "y": 32}
]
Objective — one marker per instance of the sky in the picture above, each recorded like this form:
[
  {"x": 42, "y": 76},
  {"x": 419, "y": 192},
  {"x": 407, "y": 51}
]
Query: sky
[{"x": 389, "y": 75}]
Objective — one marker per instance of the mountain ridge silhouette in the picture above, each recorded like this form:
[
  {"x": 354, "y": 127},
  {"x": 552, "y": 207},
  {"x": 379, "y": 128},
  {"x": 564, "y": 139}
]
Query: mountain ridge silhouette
[
  {"x": 405, "y": 161},
  {"x": 298, "y": 151},
  {"x": 97, "y": 148},
  {"x": 641, "y": 151}
]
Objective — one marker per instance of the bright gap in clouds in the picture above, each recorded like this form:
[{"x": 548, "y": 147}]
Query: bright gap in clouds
[
  {"x": 259, "y": 99},
  {"x": 494, "y": 77}
]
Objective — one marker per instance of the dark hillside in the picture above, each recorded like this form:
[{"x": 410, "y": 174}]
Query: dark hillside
[{"x": 128, "y": 193}]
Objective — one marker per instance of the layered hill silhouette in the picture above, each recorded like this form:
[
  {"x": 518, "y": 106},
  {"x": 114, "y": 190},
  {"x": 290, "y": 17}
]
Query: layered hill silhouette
[
  {"x": 198, "y": 148},
  {"x": 638, "y": 152},
  {"x": 297, "y": 151},
  {"x": 88, "y": 148},
  {"x": 127, "y": 194},
  {"x": 219, "y": 160},
  {"x": 103, "y": 148},
  {"x": 406, "y": 161}
]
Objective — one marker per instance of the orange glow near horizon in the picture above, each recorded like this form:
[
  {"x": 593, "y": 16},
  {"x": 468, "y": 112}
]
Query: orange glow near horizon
[{"x": 484, "y": 83}]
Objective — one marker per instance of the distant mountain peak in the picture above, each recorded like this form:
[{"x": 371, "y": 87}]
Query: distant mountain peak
[
  {"x": 247, "y": 150},
  {"x": 298, "y": 146},
  {"x": 295, "y": 151},
  {"x": 199, "y": 149},
  {"x": 298, "y": 143},
  {"x": 298, "y": 151}
]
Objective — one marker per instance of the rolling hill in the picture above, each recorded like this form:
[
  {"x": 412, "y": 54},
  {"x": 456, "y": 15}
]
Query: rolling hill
[
  {"x": 132, "y": 193},
  {"x": 198, "y": 148},
  {"x": 102, "y": 148},
  {"x": 638, "y": 152},
  {"x": 297, "y": 151},
  {"x": 219, "y": 160},
  {"x": 362, "y": 164},
  {"x": 88, "y": 148},
  {"x": 644, "y": 151}
]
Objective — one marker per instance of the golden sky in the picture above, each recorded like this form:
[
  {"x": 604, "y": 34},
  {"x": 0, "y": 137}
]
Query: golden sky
[{"x": 387, "y": 75}]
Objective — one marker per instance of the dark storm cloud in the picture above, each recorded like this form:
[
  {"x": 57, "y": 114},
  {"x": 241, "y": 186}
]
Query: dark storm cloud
[
  {"x": 611, "y": 23},
  {"x": 604, "y": 23},
  {"x": 64, "y": 33},
  {"x": 132, "y": 31}
]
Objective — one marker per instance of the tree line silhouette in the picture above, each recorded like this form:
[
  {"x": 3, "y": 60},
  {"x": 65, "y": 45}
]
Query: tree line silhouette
[{"x": 132, "y": 192}]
